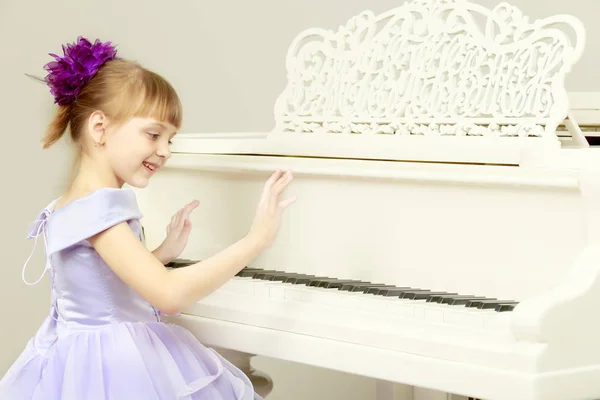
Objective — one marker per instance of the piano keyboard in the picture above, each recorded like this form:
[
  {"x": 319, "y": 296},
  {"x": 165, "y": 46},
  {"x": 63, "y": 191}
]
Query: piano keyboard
[
  {"x": 354, "y": 294},
  {"x": 436, "y": 324}
]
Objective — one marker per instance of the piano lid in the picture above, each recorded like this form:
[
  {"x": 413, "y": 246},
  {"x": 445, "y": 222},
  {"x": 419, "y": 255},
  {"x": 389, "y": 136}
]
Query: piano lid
[{"x": 421, "y": 82}]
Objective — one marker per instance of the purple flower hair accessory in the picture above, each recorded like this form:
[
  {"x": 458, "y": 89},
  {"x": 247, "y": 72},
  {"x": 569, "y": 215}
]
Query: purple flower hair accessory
[{"x": 81, "y": 60}]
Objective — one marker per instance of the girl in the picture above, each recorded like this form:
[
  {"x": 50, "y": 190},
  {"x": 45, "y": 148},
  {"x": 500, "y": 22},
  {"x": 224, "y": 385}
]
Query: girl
[{"x": 103, "y": 338}]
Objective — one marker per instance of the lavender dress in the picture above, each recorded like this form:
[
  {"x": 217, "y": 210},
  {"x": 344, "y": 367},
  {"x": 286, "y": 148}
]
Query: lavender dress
[{"x": 102, "y": 340}]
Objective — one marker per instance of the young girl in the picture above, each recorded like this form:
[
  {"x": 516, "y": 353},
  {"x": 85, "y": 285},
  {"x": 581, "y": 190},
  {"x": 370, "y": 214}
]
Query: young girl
[{"x": 104, "y": 338}]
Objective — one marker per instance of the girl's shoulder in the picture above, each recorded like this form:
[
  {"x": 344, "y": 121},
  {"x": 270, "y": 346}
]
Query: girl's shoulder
[
  {"x": 88, "y": 215},
  {"x": 103, "y": 199}
]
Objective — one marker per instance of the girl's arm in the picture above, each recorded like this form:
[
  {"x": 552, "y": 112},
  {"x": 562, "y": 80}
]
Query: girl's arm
[{"x": 173, "y": 290}]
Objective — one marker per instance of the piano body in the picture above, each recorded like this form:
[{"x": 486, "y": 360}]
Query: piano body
[{"x": 447, "y": 231}]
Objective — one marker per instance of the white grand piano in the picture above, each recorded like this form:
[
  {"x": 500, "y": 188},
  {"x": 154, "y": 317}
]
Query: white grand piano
[{"x": 447, "y": 231}]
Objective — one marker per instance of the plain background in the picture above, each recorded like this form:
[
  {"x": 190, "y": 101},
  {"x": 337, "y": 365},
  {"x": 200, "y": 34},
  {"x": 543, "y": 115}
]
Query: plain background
[{"x": 226, "y": 59}]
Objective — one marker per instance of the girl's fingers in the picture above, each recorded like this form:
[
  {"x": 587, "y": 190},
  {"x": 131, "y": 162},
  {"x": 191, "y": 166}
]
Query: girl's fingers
[
  {"x": 272, "y": 179},
  {"x": 287, "y": 202},
  {"x": 178, "y": 219},
  {"x": 269, "y": 184},
  {"x": 183, "y": 214},
  {"x": 281, "y": 185},
  {"x": 187, "y": 226},
  {"x": 187, "y": 210}
]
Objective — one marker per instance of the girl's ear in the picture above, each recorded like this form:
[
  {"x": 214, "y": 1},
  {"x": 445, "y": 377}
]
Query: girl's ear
[{"x": 97, "y": 124}]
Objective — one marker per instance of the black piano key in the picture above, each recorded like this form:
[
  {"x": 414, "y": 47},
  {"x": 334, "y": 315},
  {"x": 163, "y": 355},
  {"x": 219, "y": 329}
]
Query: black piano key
[
  {"x": 464, "y": 300},
  {"x": 406, "y": 294},
  {"x": 268, "y": 276},
  {"x": 180, "y": 262},
  {"x": 394, "y": 291},
  {"x": 317, "y": 281},
  {"x": 487, "y": 304},
  {"x": 283, "y": 278},
  {"x": 505, "y": 307},
  {"x": 434, "y": 298},
  {"x": 375, "y": 290},
  {"x": 475, "y": 303},
  {"x": 423, "y": 295},
  {"x": 360, "y": 286},
  {"x": 303, "y": 280},
  {"x": 252, "y": 273},
  {"x": 246, "y": 274},
  {"x": 447, "y": 299},
  {"x": 334, "y": 284}
]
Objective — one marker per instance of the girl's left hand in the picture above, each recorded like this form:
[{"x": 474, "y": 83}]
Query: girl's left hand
[{"x": 178, "y": 232}]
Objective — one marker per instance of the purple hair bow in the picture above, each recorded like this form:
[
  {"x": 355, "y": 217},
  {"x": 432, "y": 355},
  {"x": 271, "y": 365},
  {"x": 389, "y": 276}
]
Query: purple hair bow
[{"x": 81, "y": 60}]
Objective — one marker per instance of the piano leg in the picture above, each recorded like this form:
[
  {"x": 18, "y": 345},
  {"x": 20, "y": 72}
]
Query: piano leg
[{"x": 263, "y": 385}]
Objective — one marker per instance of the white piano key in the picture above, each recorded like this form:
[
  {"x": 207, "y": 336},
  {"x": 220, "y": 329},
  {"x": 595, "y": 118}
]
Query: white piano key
[
  {"x": 464, "y": 316},
  {"x": 402, "y": 308},
  {"x": 277, "y": 291},
  {"x": 318, "y": 295},
  {"x": 269, "y": 289},
  {"x": 433, "y": 314},
  {"x": 262, "y": 289},
  {"x": 293, "y": 293},
  {"x": 238, "y": 285}
]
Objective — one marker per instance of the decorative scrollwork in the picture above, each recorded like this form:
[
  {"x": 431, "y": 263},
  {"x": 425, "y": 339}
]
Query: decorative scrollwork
[
  {"x": 430, "y": 67},
  {"x": 419, "y": 129}
]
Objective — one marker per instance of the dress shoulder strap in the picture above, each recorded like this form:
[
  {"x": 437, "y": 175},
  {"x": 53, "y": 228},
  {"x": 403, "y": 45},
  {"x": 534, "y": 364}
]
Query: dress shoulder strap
[{"x": 89, "y": 215}]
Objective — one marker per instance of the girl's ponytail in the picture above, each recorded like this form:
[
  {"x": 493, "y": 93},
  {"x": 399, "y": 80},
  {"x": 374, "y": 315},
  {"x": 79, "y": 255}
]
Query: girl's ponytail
[
  {"x": 90, "y": 77},
  {"x": 58, "y": 126}
]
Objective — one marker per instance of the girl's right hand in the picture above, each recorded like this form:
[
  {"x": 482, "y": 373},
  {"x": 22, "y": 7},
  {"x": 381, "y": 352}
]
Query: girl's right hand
[{"x": 270, "y": 208}]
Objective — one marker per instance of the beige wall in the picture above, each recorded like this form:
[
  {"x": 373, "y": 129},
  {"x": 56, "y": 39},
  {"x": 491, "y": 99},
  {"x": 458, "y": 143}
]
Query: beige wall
[{"x": 226, "y": 58}]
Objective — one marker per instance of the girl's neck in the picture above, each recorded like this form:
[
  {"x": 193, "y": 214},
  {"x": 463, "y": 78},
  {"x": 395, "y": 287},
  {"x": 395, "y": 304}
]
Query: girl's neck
[{"x": 92, "y": 175}]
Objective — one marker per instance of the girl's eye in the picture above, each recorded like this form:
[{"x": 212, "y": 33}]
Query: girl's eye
[{"x": 153, "y": 135}]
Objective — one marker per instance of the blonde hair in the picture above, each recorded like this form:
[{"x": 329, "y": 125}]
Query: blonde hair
[{"x": 121, "y": 89}]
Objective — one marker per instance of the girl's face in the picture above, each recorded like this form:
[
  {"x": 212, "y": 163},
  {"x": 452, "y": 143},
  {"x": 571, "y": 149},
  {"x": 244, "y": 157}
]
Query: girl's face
[{"x": 137, "y": 149}]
